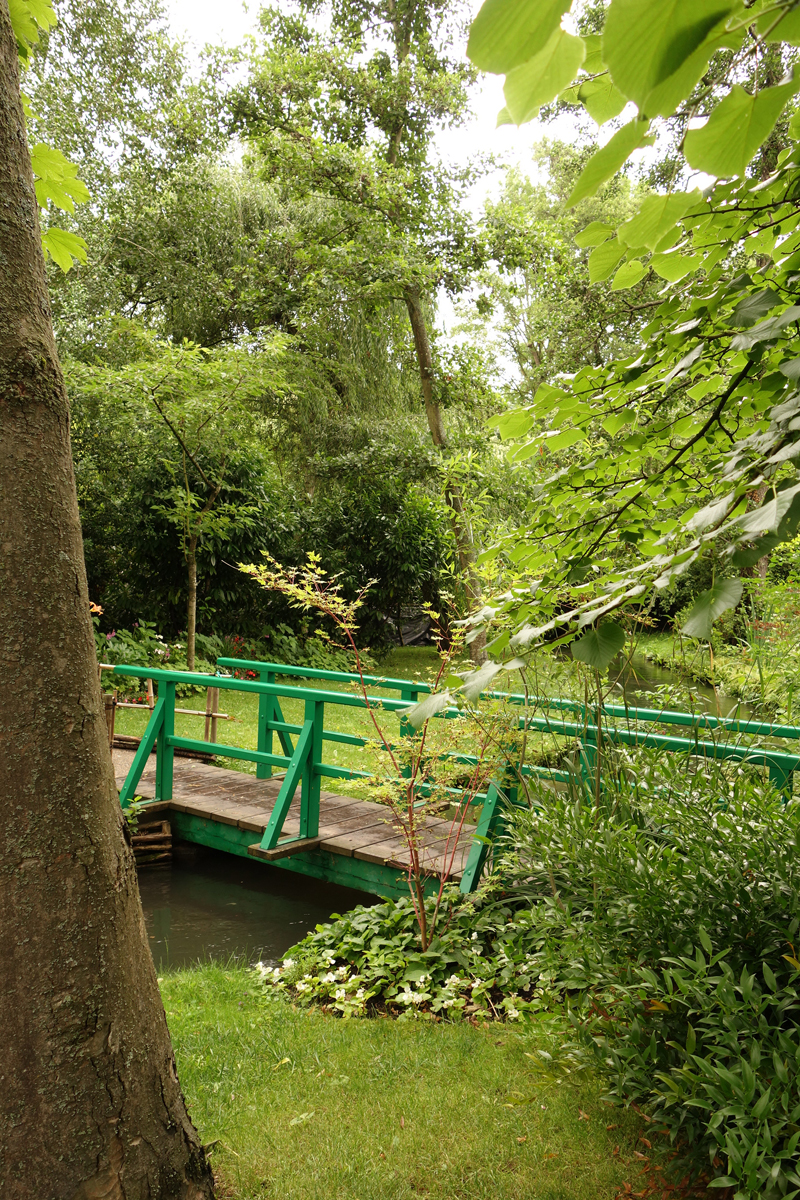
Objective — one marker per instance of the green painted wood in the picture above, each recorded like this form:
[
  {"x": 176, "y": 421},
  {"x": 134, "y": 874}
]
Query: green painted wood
[
  {"x": 223, "y": 750},
  {"x": 381, "y": 681},
  {"x": 372, "y": 878},
  {"x": 154, "y": 726},
  {"x": 165, "y": 751},
  {"x": 294, "y": 773},
  {"x": 485, "y": 830},
  {"x": 309, "y": 796}
]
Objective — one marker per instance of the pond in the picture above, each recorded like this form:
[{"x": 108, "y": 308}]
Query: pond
[
  {"x": 643, "y": 678},
  {"x": 212, "y": 905}
]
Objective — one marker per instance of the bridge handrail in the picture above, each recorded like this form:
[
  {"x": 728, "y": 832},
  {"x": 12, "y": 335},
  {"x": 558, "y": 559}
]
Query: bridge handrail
[
  {"x": 304, "y": 764},
  {"x": 380, "y": 681}
]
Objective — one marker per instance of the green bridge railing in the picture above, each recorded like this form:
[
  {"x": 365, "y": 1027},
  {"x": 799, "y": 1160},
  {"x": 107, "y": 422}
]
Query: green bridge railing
[{"x": 303, "y": 762}]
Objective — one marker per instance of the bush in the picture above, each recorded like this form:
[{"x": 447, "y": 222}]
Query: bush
[{"x": 663, "y": 921}]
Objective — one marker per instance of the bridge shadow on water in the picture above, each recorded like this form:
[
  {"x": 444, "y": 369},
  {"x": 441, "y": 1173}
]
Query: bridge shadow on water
[{"x": 211, "y": 905}]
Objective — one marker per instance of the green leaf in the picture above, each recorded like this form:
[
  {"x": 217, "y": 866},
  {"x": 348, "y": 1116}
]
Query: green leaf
[
  {"x": 504, "y": 117},
  {"x": 753, "y": 307},
  {"x": 735, "y": 130},
  {"x": 541, "y": 78},
  {"x": 593, "y": 63},
  {"x": 563, "y": 440},
  {"x": 601, "y": 99},
  {"x": 57, "y": 179},
  {"x": 645, "y": 42},
  {"x": 787, "y": 30},
  {"x": 710, "y": 605},
  {"x": 675, "y": 266},
  {"x": 617, "y": 421},
  {"x": 600, "y": 646},
  {"x": 514, "y": 424},
  {"x": 419, "y": 713},
  {"x": 27, "y": 18},
  {"x": 791, "y": 369},
  {"x": 594, "y": 234},
  {"x": 506, "y": 33},
  {"x": 63, "y": 247},
  {"x": 628, "y": 275},
  {"x": 606, "y": 161},
  {"x": 604, "y": 259},
  {"x": 656, "y": 217}
]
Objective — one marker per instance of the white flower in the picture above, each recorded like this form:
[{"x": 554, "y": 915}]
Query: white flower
[
  {"x": 287, "y": 963},
  {"x": 329, "y": 977},
  {"x": 454, "y": 981},
  {"x": 340, "y": 993},
  {"x": 360, "y": 994}
]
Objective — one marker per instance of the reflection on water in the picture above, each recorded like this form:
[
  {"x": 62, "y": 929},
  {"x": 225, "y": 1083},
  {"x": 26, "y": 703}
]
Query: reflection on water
[
  {"x": 643, "y": 678},
  {"x": 211, "y": 905}
]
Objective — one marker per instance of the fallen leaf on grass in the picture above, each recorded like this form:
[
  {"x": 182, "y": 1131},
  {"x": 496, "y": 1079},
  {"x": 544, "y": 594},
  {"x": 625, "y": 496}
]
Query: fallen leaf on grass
[
  {"x": 402, "y": 1122},
  {"x": 301, "y": 1119},
  {"x": 612, "y": 1127},
  {"x": 648, "y": 1144},
  {"x": 583, "y": 1116},
  {"x": 637, "y": 1154},
  {"x": 521, "y": 1140},
  {"x": 282, "y": 1063}
]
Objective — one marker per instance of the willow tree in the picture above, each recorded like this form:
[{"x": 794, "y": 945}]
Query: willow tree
[
  {"x": 90, "y": 1104},
  {"x": 349, "y": 117}
]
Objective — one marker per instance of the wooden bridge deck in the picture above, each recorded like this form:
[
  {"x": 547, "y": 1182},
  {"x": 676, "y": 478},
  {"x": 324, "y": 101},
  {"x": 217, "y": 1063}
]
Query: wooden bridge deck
[{"x": 360, "y": 845}]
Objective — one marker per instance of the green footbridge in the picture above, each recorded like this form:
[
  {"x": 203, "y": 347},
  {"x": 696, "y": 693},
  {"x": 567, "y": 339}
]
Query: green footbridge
[{"x": 290, "y": 821}]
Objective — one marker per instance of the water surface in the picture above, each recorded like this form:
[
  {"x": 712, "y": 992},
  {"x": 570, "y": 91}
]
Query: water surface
[{"x": 210, "y": 905}]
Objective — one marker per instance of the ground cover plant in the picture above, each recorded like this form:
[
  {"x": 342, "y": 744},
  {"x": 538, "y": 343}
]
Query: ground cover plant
[
  {"x": 295, "y": 1103},
  {"x": 663, "y": 921}
]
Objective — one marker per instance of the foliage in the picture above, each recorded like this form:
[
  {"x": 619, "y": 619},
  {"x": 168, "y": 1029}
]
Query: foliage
[
  {"x": 56, "y": 179},
  {"x": 664, "y": 920},
  {"x": 657, "y": 456},
  {"x": 539, "y": 302}
]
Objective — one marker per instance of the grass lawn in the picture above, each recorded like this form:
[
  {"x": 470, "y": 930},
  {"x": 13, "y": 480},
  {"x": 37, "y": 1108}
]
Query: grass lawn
[
  {"x": 406, "y": 662},
  {"x": 304, "y": 1106}
]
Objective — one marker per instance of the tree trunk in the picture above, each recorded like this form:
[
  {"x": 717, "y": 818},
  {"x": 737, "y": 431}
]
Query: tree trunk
[
  {"x": 191, "y": 613},
  {"x": 90, "y": 1105},
  {"x": 458, "y": 518}
]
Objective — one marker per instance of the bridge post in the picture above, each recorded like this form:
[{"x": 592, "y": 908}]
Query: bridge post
[
  {"x": 265, "y": 717},
  {"x": 312, "y": 780},
  {"x": 165, "y": 753}
]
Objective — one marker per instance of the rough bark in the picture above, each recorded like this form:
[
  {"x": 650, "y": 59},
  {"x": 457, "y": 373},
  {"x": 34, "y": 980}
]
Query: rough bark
[
  {"x": 458, "y": 517},
  {"x": 90, "y": 1106}
]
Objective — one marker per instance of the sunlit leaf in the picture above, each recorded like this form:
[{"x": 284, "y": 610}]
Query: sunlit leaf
[
  {"x": 601, "y": 99},
  {"x": 736, "y": 128},
  {"x": 645, "y": 42},
  {"x": 657, "y": 215},
  {"x": 595, "y": 233},
  {"x": 628, "y": 275},
  {"x": 64, "y": 247},
  {"x": 541, "y": 78},
  {"x": 606, "y": 161},
  {"x": 506, "y": 33},
  {"x": 604, "y": 259}
]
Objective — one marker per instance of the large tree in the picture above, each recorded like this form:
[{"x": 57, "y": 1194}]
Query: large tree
[
  {"x": 349, "y": 116},
  {"x": 90, "y": 1104}
]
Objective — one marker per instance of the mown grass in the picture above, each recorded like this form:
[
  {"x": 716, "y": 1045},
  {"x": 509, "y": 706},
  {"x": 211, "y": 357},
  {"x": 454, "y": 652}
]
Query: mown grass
[{"x": 304, "y": 1106}]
